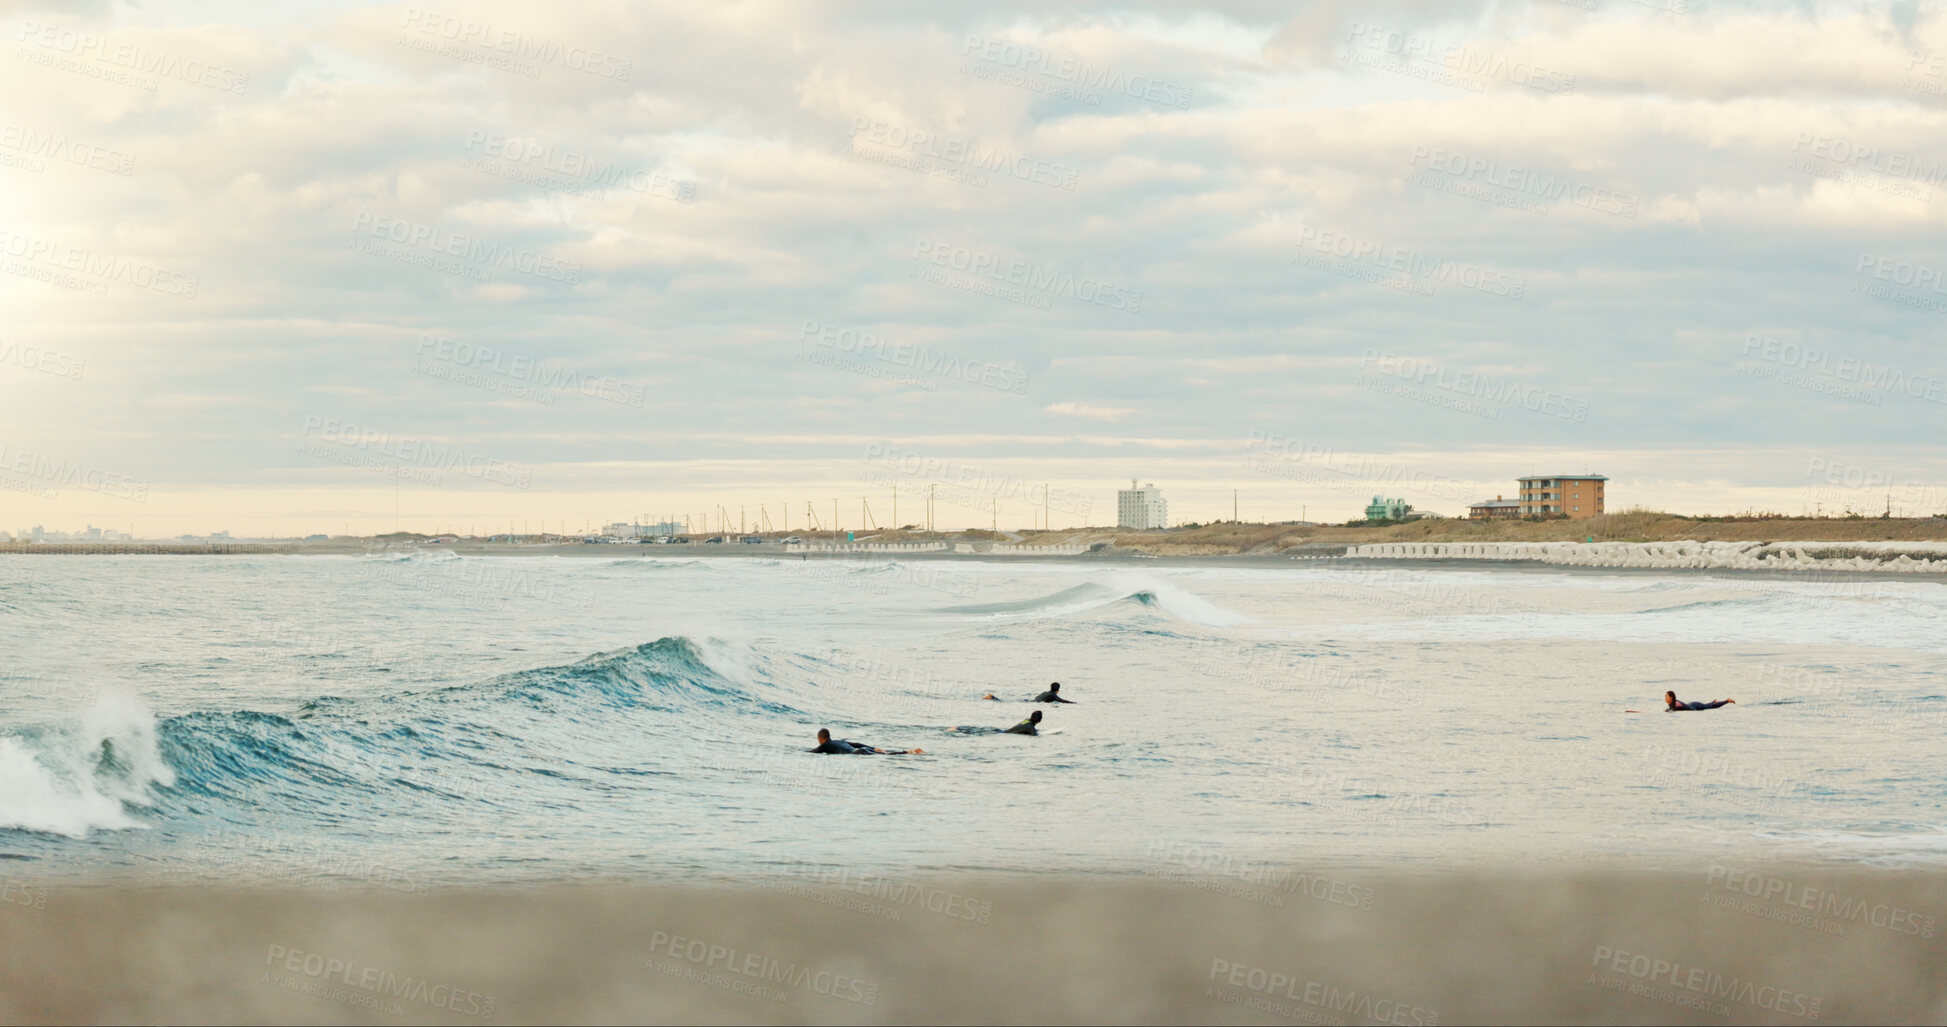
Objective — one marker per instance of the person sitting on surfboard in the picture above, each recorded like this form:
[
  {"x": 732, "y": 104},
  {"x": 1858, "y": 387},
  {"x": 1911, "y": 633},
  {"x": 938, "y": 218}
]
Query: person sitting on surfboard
[
  {"x": 1680, "y": 707},
  {"x": 840, "y": 747}
]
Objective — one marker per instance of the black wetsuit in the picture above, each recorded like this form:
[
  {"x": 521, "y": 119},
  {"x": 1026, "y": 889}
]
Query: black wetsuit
[
  {"x": 1025, "y": 727},
  {"x": 1684, "y": 707},
  {"x": 841, "y": 747},
  {"x": 1050, "y": 696}
]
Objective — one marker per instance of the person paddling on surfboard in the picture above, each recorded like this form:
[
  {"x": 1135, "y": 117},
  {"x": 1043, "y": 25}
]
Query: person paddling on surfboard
[
  {"x": 840, "y": 747},
  {"x": 1025, "y": 727},
  {"x": 1681, "y": 707},
  {"x": 1048, "y": 696}
]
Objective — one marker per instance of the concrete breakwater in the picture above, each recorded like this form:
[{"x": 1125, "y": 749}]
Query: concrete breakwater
[{"x": 1901, "y": 557}]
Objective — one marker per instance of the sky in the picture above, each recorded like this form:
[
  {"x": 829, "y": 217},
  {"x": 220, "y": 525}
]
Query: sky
[{"x": 290, "y": 268}]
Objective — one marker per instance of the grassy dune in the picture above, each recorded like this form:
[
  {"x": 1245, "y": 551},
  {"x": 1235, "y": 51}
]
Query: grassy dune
[{"x": 1627, "y": 526}]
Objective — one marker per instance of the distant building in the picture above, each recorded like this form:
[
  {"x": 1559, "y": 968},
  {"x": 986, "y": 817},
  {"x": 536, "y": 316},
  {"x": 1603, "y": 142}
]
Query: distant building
[
  {"x": 1489, "y": 509},
  {"x": 1576, "y": 495},
  {"x": 1144, "y": 508},
  {"x": 621, "y": 530},
  {"x": 1382, "y": 509}
]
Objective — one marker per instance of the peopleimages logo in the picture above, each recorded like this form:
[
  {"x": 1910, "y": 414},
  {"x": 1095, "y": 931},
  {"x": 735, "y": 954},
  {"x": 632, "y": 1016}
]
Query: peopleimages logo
[
  {"x": 761, "y": 968},
  {"x": 376, "y": 983},
  {"x": 1410, "y": 263},
  {"x": 56, "y": 257},
  {"x": 1821, "y": 901},
  {"x": 410, "y": 451},
  {"x": 965, "y": 152},
  {"x": 133, "y": 59},
  {"x": 915, "y": 358},
  {"x": 1863, "y": 373},
  {"x": 955, "y": 475},
  {"x": 1298, "y": 988},
  {"x": 515, "y": 43},
  {"x": 978, "y": 264},
  {"x": 1524, "y": 182},
  {"x": 41, "y": 467},
  {"x": 1702, "y": 984},
  {"x": 530, "y": 160},
  {"x": 1076, "y": 71},
  {"x": 438, "y": 242},
  {"x": 59, "y": 147},
  {"x": 1469, "y": 383},
  {"x": 1457, "y": 60},
  {"x": 517, "y": 368}
]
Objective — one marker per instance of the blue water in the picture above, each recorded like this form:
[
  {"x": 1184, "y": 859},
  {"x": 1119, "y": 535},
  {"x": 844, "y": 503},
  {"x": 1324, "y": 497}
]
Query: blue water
[{"x": 434, "y": 719}]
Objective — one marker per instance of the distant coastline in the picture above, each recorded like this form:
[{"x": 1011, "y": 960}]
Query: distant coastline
[{"x": 1800, "y": 558}]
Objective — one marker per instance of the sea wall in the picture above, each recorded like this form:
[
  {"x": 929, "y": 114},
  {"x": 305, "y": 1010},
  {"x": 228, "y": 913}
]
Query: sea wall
[{"x": 1903, "y": 557}]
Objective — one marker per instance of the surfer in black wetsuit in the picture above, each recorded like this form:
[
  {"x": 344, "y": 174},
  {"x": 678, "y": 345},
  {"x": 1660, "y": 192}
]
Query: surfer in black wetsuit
[
  {"x": 1025, "y": 727},
  {"x": 1681, "y": 707},
  {"x": 1047, "y": 696},
  {"x": 840, "y": 747}
]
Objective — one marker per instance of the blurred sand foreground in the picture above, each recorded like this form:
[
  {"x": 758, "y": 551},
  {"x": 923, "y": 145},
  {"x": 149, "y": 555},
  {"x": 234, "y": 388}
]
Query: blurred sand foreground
[{"x": 1737, "y": 945}]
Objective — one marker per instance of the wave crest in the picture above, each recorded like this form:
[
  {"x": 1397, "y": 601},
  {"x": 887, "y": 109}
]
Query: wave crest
[{"x": 1131, "y": 589}]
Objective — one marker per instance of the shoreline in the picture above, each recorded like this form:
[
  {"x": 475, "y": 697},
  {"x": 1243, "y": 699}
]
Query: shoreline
[{"x": 1311, "y": 556}]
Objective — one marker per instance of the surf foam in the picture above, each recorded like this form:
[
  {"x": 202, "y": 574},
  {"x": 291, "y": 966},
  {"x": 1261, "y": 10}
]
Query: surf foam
[{"x": 71, "y": 777}]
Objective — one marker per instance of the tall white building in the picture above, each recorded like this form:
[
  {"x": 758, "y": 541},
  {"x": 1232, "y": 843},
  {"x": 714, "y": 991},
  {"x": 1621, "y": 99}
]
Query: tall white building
[{"x": 1141, "y": 508}]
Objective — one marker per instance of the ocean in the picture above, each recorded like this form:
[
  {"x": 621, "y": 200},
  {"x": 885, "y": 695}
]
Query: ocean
[{"x": 428, "y": 719}]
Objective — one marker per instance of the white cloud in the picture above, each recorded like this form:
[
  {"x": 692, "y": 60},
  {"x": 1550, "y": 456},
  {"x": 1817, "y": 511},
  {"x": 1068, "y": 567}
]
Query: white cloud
[{"x": 1766, "y": 153}]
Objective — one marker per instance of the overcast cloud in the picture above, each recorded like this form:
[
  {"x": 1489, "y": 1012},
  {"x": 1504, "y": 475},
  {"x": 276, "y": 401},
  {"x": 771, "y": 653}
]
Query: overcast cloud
[{"x": 583, "y": 262}]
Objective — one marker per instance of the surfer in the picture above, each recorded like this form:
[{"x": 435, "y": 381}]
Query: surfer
[
  {"x": 1025, "y": 727},
  {"x": 840, "y": 747},
  {"x": 1047, "y": 696},
  {"x": 1680, "y": 707}
]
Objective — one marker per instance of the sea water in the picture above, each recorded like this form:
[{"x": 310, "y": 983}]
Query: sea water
[{"x": 431, "y": 719}]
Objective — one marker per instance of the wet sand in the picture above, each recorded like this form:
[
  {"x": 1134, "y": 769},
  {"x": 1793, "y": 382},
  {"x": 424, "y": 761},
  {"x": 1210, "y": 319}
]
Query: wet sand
[{"x": 1736, "y": 945}]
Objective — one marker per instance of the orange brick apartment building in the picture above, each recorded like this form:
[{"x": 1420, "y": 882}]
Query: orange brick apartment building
[{"x": 1578, "y": 495}]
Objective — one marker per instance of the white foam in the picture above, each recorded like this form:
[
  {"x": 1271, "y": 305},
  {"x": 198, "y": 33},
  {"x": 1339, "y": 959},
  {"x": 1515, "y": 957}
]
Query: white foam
[
  {"x": 54, "y": 778},
  {"x": 1111, "y": 588}
]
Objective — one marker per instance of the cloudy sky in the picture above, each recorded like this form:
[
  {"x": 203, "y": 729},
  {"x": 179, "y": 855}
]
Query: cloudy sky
[{"x": 310, "y": 267}]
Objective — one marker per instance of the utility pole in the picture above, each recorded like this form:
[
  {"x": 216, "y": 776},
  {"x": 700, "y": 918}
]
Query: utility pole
[
  {"x": 834, "y": 515},
  {"x": 1233, "y": 506},
  {"x": 995, "y": 510},
  {"x": 1044, "y": 505},
  {"x": 929, "y": 506}
]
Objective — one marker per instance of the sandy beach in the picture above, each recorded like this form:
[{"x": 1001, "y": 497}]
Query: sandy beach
[{"x": 1735, "y": 944}]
